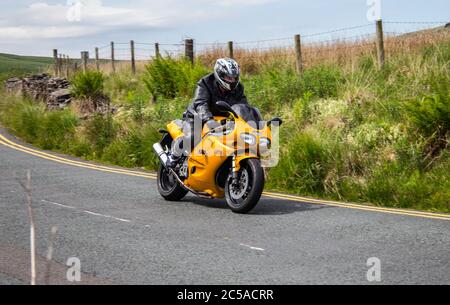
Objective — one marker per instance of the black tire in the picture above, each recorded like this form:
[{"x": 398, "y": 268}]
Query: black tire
[
  {"x": 169, "y": 188},
  {"x": 252, "y": 190}
]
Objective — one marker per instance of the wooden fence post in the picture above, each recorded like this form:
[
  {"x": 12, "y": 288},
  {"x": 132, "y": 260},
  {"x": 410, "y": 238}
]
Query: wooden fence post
[
  {"x": 97, "y": 59},
  {"x": 157, "y": 54},
  {"x": 133, "y": 58},
  {"x": 63, "y": 65},
  {"x": 230, "y": 49},
  {"x": 189, "y": 49},
  {"x": 67, "y": 66},
  {"x": 113, "y": 65},
  {"x": 380, "y": 43},
  {"x": 84, "y": 60},
  {"x": 55, "y": 61},
  {"x": 298, "y": 53},
  {"x": 60, "y": 65}
]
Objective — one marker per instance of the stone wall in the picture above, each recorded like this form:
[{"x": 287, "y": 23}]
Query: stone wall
[{"x": 53, "y": 91}]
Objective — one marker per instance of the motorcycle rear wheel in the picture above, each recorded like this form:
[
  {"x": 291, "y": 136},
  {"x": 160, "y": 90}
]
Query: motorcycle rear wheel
[
  {"x": 245, "y": 195},
  {"x": 169, "y": 187}
]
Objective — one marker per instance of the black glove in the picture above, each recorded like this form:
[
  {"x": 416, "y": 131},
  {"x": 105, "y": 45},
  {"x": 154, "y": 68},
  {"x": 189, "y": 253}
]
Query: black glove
[{"x": 212, "y": 124}]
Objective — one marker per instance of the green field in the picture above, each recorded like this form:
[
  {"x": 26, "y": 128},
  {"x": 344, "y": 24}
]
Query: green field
[{"x": 15, "y": 65}]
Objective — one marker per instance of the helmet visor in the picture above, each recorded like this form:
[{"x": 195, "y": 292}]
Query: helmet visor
[{"x": 230, "y": 80}]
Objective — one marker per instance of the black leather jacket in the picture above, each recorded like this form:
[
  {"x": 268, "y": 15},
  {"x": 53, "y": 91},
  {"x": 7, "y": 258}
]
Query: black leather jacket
[{"x": 207, "y": 94}]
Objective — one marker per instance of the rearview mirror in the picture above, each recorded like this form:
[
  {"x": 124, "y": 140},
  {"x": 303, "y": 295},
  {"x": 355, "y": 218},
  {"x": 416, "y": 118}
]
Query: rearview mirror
[{"x": 275, "y": 120}]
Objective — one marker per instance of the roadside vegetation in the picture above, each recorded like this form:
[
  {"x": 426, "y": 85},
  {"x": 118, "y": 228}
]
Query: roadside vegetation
[{"x": 352, "y": 131}]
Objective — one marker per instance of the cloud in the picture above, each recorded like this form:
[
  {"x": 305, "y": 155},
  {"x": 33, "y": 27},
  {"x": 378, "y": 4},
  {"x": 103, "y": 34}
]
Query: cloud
[
  {"x": 78, "y": 18},
  {"x": 243, "y": 2},
  {"x": 26, "y": 32},
  {"x": 89, "y": 17}
]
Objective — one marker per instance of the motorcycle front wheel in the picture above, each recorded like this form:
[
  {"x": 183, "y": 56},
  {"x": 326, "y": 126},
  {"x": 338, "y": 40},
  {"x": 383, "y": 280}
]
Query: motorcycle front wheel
[{"x": 243, "y": 195}]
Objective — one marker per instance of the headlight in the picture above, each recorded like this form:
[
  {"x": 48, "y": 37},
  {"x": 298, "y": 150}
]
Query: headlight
[
  {"x": 248, "y": 138},
  {"x": 265, "y": 142}
]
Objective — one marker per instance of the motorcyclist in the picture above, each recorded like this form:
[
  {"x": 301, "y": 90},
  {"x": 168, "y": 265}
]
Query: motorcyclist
[{"x": 221, "y": 85}]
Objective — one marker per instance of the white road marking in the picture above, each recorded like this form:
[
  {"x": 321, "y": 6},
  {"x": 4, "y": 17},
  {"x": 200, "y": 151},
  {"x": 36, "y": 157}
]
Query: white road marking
[
  {"x": 85, "y": 211},
  {"x": 107, "y": 216},
  {"x": 120, "y": 219},
  {"x": 96, "y": 214},
  {"x": 58, "y": 204},
  {"x": 253, "y": 248}
]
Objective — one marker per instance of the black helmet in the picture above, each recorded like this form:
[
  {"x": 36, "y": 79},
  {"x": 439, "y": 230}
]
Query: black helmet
[{"x": 227, "y": 73}]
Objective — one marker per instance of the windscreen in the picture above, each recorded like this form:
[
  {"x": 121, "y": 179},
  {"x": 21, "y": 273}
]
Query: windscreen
[{"x": 249, "y": 114}]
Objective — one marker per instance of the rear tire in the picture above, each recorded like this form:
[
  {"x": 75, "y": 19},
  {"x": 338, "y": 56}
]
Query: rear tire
[
  {"x": 169, "y": 187},
  {"x": 243, "y": 197}
]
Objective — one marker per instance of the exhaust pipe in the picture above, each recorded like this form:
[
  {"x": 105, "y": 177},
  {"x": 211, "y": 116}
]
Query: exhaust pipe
[{"x": 161, "y": 153}]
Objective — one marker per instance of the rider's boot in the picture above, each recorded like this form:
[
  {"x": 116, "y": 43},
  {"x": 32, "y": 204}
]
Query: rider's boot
[{"x": 175, "y": 153}]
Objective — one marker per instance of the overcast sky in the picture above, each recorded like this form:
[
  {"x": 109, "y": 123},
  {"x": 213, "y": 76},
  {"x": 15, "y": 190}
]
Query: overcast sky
[{"x": 33, "y": 27}]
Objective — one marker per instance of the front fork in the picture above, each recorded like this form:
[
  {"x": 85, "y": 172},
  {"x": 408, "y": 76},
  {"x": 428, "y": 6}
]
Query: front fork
[
  {"x": 236, "y": 165},
  {"x": 235, "y": 170}
]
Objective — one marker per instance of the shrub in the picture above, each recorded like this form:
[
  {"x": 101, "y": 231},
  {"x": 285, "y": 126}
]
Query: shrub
[
  {"x": 431, "y": 113},
  {"x": 48, "y": 130},
  {"x": 120, "y": 86},
  {"x": 366, "y": 63},
  {"x": 322, "y": 81},
  {"x": 80, "y": 148},
  {"x": 304, "y": 168},
  {"x": 100, "y": 131},
  {"x": 134, "y": 150},
  {"x": 87, "y": 85},
  {"x": 23, "y": 117},
  {"x": 405, "y": 187},
  {"x": 136, "y": 105},
  {"x": 272, "y": 88},
  {"x": 170, "y": 78},
  {"x": 278, "y": 86},
  {"x": 56, "y": 130}
]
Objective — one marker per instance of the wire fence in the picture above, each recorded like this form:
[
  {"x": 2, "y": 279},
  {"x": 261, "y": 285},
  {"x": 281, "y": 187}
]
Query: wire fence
[{"x": 360, "y": 38}]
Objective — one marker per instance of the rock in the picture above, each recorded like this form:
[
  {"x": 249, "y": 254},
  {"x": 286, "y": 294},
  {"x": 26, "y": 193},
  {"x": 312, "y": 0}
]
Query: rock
[
  {"x": 55, "y": 93},
  {"x": 59, "y": 99},
  {"x": 42, "y": 87},
  {"x": 100, "y": 104},
  {"x": 61, "y": 93},
  {"x": 13, "y": 85}
]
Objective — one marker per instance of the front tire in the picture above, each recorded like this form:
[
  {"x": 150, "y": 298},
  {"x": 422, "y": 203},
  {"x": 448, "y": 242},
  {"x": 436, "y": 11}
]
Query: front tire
[
  {"x": 169, "y": 187},
  {"x": 244, "y": 196}
]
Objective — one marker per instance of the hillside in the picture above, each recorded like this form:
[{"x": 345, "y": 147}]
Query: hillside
[{"x": 15, "y": 64}]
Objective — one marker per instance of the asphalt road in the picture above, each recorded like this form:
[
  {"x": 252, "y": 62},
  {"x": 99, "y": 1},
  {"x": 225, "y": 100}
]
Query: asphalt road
[{"x": 123, "y": 233}]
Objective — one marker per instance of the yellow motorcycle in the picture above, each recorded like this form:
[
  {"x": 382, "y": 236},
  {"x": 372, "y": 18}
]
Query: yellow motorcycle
[{"x": 226, "y": 163}]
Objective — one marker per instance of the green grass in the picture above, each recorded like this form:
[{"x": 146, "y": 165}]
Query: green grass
[{"x": 352, "y": 132}]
